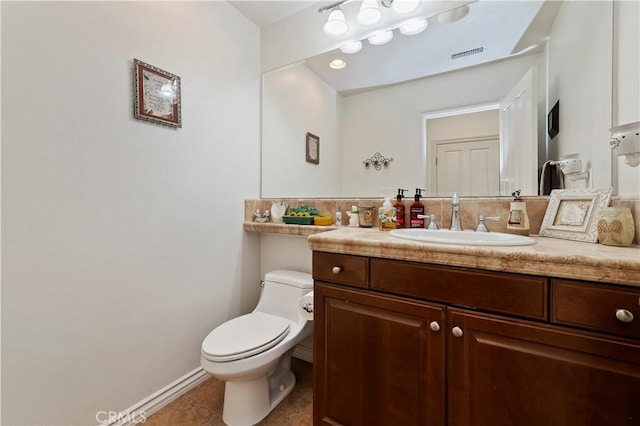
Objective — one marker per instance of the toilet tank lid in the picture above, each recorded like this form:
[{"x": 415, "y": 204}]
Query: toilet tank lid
[{"x": 294, "y": 278}]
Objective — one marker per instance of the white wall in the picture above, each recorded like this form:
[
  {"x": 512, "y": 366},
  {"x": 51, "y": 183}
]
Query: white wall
[
  {"x": 389, "y": 120},
  {"x": 284, "y": 252},
  {"x": 123, "y": 243},
  {"x": 627, "y": 83},
  {"x": 295, "y": 101},
  {"x": 580, "y": 49}
]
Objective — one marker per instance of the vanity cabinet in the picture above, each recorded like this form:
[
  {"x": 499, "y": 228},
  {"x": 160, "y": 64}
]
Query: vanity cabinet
[{"x": 420, "y": 344}]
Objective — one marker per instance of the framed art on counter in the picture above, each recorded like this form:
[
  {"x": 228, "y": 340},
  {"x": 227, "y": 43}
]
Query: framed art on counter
[
  {"x": 157, "y": 95},
  {"x": 572, "y": 214}
]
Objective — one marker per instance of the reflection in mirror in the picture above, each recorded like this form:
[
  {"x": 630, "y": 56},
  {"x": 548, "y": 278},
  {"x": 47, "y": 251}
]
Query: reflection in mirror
[{"x": 354, "y": 122}]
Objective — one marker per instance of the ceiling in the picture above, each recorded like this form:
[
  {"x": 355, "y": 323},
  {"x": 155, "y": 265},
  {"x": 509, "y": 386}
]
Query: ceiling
[
  {"x": 264, "y": 13},
  {"x": 501, "y": 28}
]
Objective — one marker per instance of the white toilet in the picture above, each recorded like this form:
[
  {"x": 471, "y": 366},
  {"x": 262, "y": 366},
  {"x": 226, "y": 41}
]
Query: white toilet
[{"x": 252, "y": 353}]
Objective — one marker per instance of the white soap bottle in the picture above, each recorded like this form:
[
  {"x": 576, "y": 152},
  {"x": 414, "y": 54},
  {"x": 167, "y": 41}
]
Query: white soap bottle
[{"x": 387, "y": 216}]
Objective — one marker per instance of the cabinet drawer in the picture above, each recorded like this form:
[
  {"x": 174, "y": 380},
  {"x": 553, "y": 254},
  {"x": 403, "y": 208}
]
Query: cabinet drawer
[
  {"x": 597, "y": 307},
  {"x": 341, "y": 268},
  {"x": 520, "y": 295}
]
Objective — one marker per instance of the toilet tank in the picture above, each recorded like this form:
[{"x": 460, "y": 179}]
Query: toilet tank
[{"x": 281, "y": 291}]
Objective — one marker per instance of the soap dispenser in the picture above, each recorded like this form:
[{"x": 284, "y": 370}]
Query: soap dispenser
[
  {"x": 400, "y": 209},
  {"x": 387, "y": 216},
  {"x": 518, "y": 222},
  {"x": 416, "y": 210}
]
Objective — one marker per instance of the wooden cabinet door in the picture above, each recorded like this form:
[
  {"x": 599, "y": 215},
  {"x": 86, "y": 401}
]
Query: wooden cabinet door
[
  {"x": 509, "y": 372},
  {"x": 378, "y": 360}
]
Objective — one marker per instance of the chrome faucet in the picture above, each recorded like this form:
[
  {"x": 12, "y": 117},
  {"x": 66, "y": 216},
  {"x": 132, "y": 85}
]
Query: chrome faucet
[{"x": 456, "y": 223}]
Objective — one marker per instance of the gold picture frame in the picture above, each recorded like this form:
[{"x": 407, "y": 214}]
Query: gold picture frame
[
  {"x": 313, "y": 148},
  {"x": 157, "y": 95},
  {"x": 572, "y": 214}
]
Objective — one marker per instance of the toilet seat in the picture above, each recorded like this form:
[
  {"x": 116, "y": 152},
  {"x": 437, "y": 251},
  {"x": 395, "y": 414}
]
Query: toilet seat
[{"x": 244, "y": 336}]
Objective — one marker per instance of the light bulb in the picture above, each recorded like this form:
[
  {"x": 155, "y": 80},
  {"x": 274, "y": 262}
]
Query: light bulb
[
  {"x": 336, "y": 24},
  {"x": 404, "y": 6},
  {"x": 381, "y": 37},
  {"x": 352, "y": 47},
  {"x": 337, "y": 64},
  {"x": 369, "y": 12},
  {"x": 413, "y": 26}
]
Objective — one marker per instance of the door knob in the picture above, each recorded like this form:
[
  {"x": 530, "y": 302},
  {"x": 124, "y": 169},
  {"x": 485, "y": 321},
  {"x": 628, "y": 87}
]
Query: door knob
[
  {"x": 434, "y": 326},
  {"x": 336, "y": 270},
  {"x": 457, "y": 331}
]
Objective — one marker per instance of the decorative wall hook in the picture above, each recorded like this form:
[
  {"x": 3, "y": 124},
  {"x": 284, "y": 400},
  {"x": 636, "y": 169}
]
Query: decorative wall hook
[{"x": 377, "y": 161}]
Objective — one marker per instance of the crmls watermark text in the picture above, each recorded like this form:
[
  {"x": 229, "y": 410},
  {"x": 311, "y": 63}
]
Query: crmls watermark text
[{"x": 108, "y": 417}]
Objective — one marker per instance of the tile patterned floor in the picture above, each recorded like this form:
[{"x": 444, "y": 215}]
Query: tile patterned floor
[{"x": 202, "y": 406}]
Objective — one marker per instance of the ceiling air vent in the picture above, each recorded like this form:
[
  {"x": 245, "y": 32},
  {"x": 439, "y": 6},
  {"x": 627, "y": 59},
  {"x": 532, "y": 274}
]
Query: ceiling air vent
[{"x": 467, "y": 53}]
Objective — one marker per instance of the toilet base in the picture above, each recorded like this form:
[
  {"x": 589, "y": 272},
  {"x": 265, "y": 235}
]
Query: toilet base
[{"x": 248, "y": 402}]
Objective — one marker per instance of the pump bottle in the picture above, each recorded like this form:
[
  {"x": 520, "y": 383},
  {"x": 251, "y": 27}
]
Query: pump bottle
[
  {"x": 400, "y": 209},
  {"x": 417, "y": 208}
]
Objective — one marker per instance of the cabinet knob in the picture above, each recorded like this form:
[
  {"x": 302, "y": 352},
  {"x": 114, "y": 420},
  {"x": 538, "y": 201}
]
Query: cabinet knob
[
  {"x": 336, "y": 270},
  {"x": 457, "y": 331},
  {"x": 624, "y": 315},
  {"x": 434, "y": 326}
]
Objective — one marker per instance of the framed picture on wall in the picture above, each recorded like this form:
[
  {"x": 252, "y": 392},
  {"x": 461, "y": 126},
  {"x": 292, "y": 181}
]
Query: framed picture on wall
[
  {"x": 313, "y": 148},
  {"x": 157, "y": 95}
]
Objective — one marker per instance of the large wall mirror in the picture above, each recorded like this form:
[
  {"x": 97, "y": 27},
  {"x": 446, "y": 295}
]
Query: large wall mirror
[{"x": 384, "y": 101}]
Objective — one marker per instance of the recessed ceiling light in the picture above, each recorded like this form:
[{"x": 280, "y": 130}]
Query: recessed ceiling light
[
  {"x": 381, "y": 37},
  {"x": 352, "y": 47},
  {"x": 337, "y": 64},
  {"x": 413, "y": 26}
]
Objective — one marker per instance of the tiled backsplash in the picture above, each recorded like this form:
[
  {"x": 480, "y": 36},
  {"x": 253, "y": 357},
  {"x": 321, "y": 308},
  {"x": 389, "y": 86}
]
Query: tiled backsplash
[{"x": 471, "y": 208}]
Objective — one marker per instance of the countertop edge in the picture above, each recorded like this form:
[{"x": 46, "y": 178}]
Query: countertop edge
[{"x": 548, "y": 257}]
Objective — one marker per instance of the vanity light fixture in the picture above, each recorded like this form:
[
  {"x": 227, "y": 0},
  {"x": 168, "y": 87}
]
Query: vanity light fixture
[
  {"x": 336, "y": 25},
  {"x": 337, "y": 64},
  {"x": 404, "y": 6},
  {"x": 369, "y": 13},
  {"x": 381, "y": 37},
  {"x": 413, "y": 26},
  {"x": 352, "y": 47}
]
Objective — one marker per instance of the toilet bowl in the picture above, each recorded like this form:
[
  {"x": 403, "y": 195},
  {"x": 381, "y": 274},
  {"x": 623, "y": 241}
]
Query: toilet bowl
[{"x": 252, "y": 353}]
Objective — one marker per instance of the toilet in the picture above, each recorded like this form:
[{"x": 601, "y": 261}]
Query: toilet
[{"x": 252, "y": 353}]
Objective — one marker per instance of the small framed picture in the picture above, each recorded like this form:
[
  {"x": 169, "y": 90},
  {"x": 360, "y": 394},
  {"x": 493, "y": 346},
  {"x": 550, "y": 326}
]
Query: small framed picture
[
  {"x": 157, "y": 95},
  {"x": 572, "y": 214},
  {"x": 313, "y": 148}
]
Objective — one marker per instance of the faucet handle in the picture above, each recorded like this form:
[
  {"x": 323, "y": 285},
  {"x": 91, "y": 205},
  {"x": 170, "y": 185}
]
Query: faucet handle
[
  {"x": 482, "y": 227},
  {"x": 432, "y": 223},
  {"x": 433, "y": 226}
]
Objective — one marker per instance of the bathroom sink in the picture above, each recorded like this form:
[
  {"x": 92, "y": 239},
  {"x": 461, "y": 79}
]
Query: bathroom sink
[{"x": 470, "y": 238}]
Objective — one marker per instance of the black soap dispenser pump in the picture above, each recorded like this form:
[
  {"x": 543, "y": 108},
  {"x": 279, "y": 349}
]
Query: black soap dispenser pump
[{"x": 416, "y": 210}]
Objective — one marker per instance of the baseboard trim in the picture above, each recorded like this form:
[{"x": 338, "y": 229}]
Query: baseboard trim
[
  {"x": 139, "y": 412},
  {"x": 304, "y": 353}
]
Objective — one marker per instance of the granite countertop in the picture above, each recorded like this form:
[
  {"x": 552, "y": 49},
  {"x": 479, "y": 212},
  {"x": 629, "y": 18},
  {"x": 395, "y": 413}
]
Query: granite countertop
[{"x": 548, "y": 257}]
